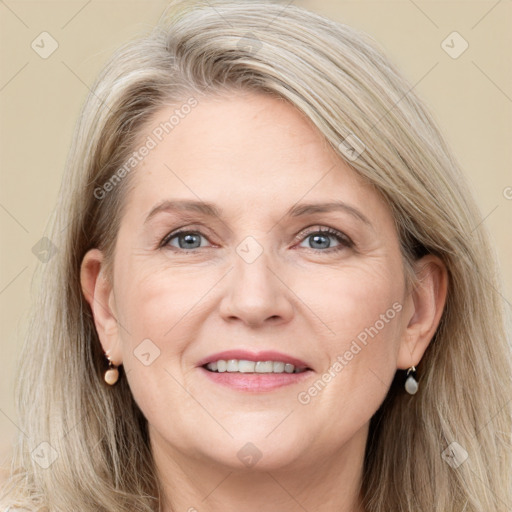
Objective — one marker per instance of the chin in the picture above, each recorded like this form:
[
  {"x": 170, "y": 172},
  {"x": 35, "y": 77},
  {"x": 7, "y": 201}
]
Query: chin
[{"x": 256, "y": 456}]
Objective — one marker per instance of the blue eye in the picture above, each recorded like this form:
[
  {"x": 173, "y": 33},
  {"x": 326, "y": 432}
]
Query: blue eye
[
  {"x": 320, "y": 238},
  {"x": 186, "y": 239}
]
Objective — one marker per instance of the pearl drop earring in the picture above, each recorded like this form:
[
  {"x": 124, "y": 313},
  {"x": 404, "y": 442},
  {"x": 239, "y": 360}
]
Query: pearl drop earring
[
  {"x": 411, "y": 384},
  {"x": 112, "y": 374}
]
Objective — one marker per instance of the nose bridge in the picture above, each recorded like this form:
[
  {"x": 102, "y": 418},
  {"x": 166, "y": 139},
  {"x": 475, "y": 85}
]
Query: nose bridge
[
  {"x": 253, "y": 265},
  {"x": 255, "y": 293}
]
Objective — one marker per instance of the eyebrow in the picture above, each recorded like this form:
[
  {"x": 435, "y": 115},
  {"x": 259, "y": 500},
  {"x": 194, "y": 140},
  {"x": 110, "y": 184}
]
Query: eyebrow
[{"x": 298, "y": 210}]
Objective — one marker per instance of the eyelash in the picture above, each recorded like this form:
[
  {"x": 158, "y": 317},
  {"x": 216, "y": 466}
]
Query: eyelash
[{"x": 344, "y": 240}]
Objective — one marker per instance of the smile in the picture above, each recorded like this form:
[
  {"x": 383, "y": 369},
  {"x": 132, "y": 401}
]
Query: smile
[{"x": 245, "y": 366}]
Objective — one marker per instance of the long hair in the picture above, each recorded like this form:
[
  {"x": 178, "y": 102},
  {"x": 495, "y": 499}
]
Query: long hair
[{"x": 85, "y": 446}]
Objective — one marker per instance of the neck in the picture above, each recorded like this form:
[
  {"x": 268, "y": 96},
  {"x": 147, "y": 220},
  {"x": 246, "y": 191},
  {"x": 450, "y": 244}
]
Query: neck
[{"x": 327, "y": 483}]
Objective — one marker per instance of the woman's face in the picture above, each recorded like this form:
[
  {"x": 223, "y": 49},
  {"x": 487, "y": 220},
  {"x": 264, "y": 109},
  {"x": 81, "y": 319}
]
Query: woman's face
[{"x": 249, "y": 272}]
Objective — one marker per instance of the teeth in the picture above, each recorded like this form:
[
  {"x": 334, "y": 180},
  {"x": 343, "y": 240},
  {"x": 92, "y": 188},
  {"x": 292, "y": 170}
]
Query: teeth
[
  {"x": 244, "y": 366},
  {"x": 289, "y": 368},
  {"x": 278, "y": 367},
  {"x": 264, "y": 367},
  {"x": 232, "y": 365}
]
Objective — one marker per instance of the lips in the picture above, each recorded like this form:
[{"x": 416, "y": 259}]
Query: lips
[{"x": 266, "y": 355}]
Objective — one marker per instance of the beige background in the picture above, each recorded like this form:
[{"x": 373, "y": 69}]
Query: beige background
[{"x": 470, "y": 96}]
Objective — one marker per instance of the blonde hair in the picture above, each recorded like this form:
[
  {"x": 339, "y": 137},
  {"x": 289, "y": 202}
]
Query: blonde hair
[{"x": 339, "y": 78}]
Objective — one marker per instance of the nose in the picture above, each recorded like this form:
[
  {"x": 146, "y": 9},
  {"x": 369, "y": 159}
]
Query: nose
[{"x": 256, "y": 293}]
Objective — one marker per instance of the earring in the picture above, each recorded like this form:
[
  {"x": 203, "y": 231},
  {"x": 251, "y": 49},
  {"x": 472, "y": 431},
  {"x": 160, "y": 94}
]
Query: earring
[
  {"x": 112, "y": 374},
  {"x": 411, "y": 384}
]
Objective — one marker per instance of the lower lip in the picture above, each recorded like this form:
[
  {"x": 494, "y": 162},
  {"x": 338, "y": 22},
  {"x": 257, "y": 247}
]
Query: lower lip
[{"x": 255, "y": 382}]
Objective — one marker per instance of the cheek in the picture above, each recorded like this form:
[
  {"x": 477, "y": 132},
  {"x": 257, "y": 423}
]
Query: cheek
[
  {"x": 152, "y": 299},
  {"x": 363, "y": 309},
  {"x": 360, "y": 301},
  {"x": 369, "y": 310},
  {"x": 153, "y": 309},
  {"x": 154, "y": 336},
  {"x": 161, "y": 310}
]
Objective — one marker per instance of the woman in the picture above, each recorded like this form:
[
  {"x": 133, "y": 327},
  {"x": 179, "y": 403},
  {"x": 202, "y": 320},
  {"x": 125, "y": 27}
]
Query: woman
[{"x": 335, "y": 340}]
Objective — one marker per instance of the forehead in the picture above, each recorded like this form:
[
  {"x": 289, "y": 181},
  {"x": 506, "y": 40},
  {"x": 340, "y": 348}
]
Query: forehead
[{"x": 242, "y": 150}]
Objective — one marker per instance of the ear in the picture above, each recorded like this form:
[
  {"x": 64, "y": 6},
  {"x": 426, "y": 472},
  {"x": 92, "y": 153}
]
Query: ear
[
  {"x": 424, "y": 310},
  {"x": 98, "y": 292}
]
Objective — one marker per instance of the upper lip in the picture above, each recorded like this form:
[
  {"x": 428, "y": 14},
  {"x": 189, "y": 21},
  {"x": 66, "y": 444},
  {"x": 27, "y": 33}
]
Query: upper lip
[{"x": 264, "y": 355}]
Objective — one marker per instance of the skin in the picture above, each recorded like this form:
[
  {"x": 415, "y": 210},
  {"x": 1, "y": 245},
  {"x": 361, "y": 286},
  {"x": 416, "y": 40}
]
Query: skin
[{"x": 254, "y": 157}]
